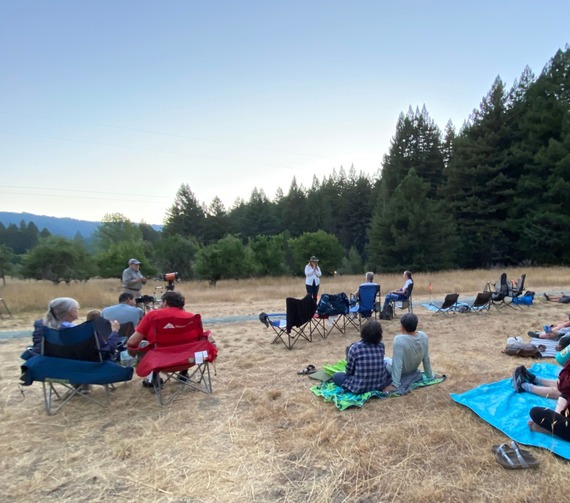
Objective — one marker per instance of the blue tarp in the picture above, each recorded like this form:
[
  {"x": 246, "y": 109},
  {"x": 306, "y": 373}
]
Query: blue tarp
[{"x": 498, "y": 404}]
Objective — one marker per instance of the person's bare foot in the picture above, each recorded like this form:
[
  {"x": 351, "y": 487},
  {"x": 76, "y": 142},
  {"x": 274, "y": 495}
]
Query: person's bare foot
[{"x": 535, "y": 427}]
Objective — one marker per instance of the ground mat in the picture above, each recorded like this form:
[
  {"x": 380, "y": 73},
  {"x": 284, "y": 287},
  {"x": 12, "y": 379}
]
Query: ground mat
[{"x": 499, "y": 405}]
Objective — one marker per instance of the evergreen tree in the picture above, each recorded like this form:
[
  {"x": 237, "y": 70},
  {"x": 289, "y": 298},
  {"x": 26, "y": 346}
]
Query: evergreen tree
[
  {"x": 412, "y": 232},
  {"x": 479, "y": 184},
  {"x": 186, "y": 216}
]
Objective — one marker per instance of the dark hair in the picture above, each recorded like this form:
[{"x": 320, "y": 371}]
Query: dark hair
[
  {"x": 174, "y": 299},
  {"x": 371, "y": 332},
  {"x": 408, "y": 274},
  {"x": 125, "y": 296},
  {"x": 409, "y": 321}
]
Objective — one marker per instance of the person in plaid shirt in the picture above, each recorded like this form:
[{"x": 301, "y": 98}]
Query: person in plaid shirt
[{"x": 365, "y": 366}]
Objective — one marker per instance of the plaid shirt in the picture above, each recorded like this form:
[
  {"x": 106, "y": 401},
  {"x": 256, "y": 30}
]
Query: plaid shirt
[{"x": 365, "y": 368}]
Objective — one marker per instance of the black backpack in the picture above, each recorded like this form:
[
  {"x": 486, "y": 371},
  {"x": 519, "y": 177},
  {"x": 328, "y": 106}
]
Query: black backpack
[{"x": 387, "y": 313}]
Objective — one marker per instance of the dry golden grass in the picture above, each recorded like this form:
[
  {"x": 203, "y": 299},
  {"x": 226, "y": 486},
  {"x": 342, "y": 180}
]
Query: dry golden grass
[{"x": 262, "y": 436}]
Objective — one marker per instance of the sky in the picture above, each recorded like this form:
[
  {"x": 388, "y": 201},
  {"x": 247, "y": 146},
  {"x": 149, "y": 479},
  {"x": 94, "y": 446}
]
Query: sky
[{"x": 109, "y": 106}]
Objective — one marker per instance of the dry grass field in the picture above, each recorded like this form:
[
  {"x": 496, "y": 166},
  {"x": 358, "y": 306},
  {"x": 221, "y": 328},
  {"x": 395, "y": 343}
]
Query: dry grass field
[{"x": 262, "y": 436}]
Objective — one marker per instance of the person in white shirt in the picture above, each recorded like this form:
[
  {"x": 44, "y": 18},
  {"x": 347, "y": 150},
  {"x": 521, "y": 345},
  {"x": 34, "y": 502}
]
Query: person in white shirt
[
  {"x": 402, "y": 293},
  {"x": 312, "y": 277}
]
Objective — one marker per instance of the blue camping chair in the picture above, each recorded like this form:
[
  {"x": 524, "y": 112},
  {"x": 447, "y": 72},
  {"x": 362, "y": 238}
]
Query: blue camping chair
[
  {"x": 366, "y": 307},
  {"x": 70, "y": 359}
]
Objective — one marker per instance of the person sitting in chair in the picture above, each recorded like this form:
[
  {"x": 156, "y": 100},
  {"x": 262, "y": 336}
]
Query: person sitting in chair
[
  {"x": 125, "y": 311},
  {"x": 369, "y": 281},
  {"x": 410, "y": 349},
  {"x": 402, "y": 293},
  {"x": 365, "y": 366}
]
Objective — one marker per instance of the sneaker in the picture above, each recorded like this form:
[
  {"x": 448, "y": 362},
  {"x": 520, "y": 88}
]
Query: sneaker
[
  {"x": 517, "y": 380},
  {"x": 533, "y": 334},
  {"x": 526, "y": 375},
  {"x": 148, "y": 384}
]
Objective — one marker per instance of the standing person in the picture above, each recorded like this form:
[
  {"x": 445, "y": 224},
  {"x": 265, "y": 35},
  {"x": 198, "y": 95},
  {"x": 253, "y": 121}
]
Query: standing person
[
  {"x": 133, "y": 280},
  {"x": 365, "y": 365},
  {"x": 410, "y": 349},
  {"x": 312, "y": 277},
  {"x": 124, "y": 311},
  {"x": 402, "y": 293}
]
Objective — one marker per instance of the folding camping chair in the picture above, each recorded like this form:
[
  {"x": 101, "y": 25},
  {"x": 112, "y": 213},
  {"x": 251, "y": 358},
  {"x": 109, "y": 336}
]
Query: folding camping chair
[
  {"x": 481, "y": 303},
  {"x": 294, "y": 324},
  {"x": 70, "y": 359},
  {"x": 179, "y": 353},
  {"x": 499, "y": 291},
  {"x": 366, "y": 307},
  {"x": 405, "y": 302},
  {"x": 330, "y": 315},
  {"x": 449, "y": 304},
  {"x": 516, "y": 290}
]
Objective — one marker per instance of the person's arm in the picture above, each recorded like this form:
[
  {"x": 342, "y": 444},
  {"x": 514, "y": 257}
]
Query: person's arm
[
  {"x": 133, "y": 343},
  {"x": 351, "y": 360},
  {"x": 318, "y": 272},
  {"x": 114, "y": 337},
  {"x": 397, "y": 363},
  {"x": 427, "y": 364}
]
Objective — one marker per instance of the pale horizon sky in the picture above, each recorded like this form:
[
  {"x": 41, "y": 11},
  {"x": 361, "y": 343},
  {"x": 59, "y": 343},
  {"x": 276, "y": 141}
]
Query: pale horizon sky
[{"x": 110, "y": 106}]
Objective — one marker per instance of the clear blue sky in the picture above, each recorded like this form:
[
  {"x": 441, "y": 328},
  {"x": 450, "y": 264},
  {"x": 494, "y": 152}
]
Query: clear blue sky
[{"x": 109, "y": 106}]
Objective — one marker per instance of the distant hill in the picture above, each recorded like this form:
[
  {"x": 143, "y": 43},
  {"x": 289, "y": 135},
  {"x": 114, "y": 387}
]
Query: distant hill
[{"x": 67, "y": 227}]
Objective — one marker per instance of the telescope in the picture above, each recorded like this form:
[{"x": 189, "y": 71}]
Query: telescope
[{"x": 170, "y": 278}]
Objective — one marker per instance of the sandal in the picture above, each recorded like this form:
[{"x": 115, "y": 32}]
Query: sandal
[
  {"x": 309, "y": 369},
  {"x": 510, "y": 456}
]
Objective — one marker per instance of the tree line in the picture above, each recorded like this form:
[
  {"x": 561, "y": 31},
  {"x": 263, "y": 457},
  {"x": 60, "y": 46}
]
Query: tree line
[{"x": 493, "y": 193}]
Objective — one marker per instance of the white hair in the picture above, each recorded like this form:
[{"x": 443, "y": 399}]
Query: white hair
[{"x": 57, "y": 310}]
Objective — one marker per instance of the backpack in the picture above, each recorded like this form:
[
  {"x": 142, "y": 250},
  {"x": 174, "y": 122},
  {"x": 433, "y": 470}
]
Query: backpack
[
  {"x": 387, "y": 313},
  {"x": 521, "y": 349}
]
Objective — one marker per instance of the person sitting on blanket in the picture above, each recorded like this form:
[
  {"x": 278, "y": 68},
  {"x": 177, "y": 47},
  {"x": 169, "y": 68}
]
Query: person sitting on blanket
[
  {"x": 365, "y": 366},
  {"x": 553, "y": 331},
  {"x": 410, "y": 349},
  {"x": 554, "y": 422},
  {"x": 402, "y": 293}
]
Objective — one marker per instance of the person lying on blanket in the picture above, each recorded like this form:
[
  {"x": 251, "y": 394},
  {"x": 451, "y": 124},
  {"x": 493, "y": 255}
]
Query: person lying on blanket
[
  {"x": 554, "y": 422},
  {"x": 553, "y": 331},
  {"x": 410, "y": 349},
  {"x": 365, "y": 366}
]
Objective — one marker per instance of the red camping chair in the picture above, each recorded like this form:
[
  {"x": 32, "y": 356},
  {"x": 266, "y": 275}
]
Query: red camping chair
[{"x": 180, "y": 352}]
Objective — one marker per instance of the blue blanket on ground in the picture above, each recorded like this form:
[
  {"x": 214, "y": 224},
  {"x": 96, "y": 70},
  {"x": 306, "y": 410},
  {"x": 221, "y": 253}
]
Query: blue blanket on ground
[{"x": 499, "y": 405}]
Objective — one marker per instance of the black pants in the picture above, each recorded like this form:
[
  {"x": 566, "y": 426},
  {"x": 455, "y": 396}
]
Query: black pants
[
  {"x": 313, "y": 290},
  {"x": 550, "y": 420}
]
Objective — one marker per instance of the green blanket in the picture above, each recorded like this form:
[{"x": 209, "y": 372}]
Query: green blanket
[{"x": 344, "y": 399}]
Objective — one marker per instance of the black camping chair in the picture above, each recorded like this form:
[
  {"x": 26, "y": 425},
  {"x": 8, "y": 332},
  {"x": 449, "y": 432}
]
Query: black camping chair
[
  {"x": 517, "y": 290},
  {"x": 294, "y": 323},
  {"x": 499, "y": 291},
  {"x": 481, "y": 303},
  {"x": 449, "y": 304}
]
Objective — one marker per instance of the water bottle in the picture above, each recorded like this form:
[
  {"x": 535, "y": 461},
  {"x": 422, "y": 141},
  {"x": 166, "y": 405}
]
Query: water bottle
[
  {"x": 126, "y": 359},
  {"x": 563, "y": 356}
]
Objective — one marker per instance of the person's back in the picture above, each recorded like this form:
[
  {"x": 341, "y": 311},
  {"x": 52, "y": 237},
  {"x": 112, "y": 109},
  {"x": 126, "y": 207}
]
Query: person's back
[
  {"x": 125, "y": 311},
  {"x": 410, "y": 349}
]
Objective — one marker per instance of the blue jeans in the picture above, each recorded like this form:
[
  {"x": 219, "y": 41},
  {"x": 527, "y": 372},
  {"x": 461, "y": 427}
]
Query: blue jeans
[
  {"x": 393, "y": 297},
  {"x": 339, "y": 378}
]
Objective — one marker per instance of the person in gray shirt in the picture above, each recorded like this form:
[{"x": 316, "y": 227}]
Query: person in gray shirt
[
  {"x": 410, "y": 349},
  {"x": 124, "y": 311},
  {"x": 133, "y": 280}
]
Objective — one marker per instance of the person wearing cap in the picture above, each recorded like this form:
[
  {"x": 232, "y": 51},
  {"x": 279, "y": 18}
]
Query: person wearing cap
[
  {"x": 133, "y": 280},
  {"x": 312, "y": 277}
]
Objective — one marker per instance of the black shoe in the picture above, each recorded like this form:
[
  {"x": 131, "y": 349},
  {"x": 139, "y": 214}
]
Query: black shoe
[
  {"x": 527, "y": 375},
  {"x": 546, "y": 296},
  {"x": 183, "y": 376},
  {"x": 534, "y": 334},
  {"x": 148, "y": 384},
  {"x": 517, "y": 380}
]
